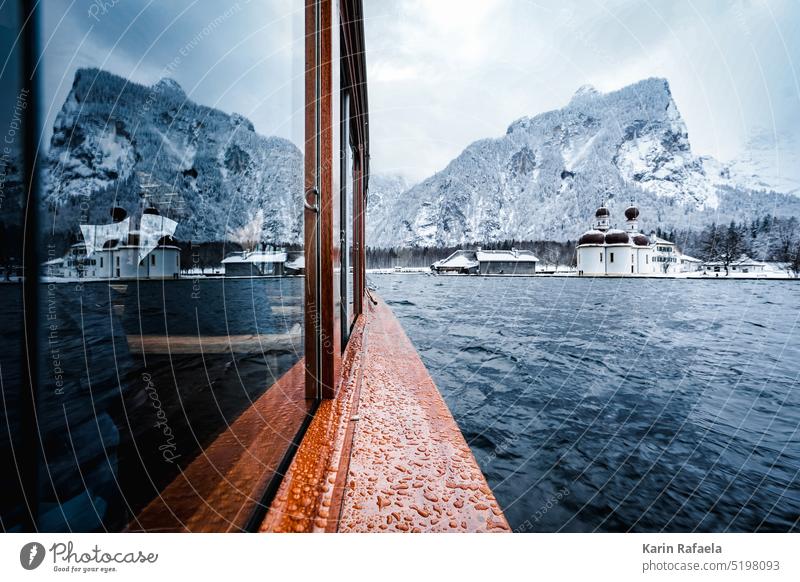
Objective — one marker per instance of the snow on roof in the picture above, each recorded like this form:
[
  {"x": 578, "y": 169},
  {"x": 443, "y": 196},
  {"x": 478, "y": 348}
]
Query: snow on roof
[
  {"x": 742, "y": 261},
  {"x": 745, "y": 260},
  {"x": 298, "y": 263},
  {"x": 255, "y": 257},
  {"x": 506, "y": 256},
  {"x": 53, "y": 262},
  {"x": 459, "y": 259},
  {"x": 660, "y": 241},
  {"x": 690, "y": 259}
]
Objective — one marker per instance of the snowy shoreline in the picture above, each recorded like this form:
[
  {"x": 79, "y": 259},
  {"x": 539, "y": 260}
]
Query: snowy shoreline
[{"x": 574, "y": 275}]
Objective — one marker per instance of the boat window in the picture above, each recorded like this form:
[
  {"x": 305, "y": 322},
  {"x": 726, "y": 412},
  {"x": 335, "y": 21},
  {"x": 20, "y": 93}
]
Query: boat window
[
  {"x": 16, "y": 407},
  {"x": 181, "y": 120},
  {"x": 348, "y": 214}
]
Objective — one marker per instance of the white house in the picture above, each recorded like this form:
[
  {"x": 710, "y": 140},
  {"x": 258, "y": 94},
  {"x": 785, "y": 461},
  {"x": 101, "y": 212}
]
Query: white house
[
  {"x": 689, "y": 264},
  {"x": 665, "y": 256},
  {"x": 743, "y": 265}
]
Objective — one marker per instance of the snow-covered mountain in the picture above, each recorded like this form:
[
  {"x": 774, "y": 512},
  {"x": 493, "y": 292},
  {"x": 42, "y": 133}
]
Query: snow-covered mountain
[
  {"x": 771, "y": 161},
  {"x": 118, "y": 143},
  {"x": 547, "y": 175},
  {"x": 385, "y": 190}
]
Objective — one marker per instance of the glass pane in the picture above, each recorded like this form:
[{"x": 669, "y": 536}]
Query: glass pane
[
  {"x": 14, "y": 105},
  {"x": 175, "y": 265},
  {"x": 347, "y": 218}
]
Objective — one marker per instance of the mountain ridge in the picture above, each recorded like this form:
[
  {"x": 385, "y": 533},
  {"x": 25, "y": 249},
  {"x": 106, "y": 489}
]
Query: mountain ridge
[
  {"x": 119, "y": 143},
  {"x": 544, "y": 178}
]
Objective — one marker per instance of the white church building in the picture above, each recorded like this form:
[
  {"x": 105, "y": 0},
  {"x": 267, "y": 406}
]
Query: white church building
[
  {"x": 116, "y": 252},
  {"x": 603, "y": 250}
]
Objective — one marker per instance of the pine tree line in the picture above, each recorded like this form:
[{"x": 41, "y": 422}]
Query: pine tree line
[{"x": 769, "y": 238}]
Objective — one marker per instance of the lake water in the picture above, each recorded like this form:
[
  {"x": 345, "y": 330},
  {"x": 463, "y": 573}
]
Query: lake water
[
  {"x": 608, "y": 404},
  {"x": 619, "y": 404},
  {"x": 119, "y": 414}
]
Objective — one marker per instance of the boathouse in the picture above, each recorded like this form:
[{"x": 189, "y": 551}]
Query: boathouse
[
  {"x": 513, "y": 262},
  {"x": 255, "y": 264},
  {"x": 459, "y": 263}
]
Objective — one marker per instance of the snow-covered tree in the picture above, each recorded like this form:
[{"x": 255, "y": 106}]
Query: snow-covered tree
[{"x": 249, "y": 236}]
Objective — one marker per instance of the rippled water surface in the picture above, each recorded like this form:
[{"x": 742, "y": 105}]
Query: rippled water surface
[
  {"x": 120, "y": 415},
  {"x": 619, "y": 404}
]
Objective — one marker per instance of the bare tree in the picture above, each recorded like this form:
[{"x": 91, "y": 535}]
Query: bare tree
[
  {"x": 794, "y": 260},
  {"x": 730, "y": 246}
]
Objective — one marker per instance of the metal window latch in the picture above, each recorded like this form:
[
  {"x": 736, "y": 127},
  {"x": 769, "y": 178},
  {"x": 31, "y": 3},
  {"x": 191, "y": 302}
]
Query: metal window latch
[{"x": 315, "y": 207}]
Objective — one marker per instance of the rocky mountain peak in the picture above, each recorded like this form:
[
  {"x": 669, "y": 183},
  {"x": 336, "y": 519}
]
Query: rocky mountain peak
[
  {"x": 544, "y": 178},
  {"x": 584, "y": 93},
  {"x": 167, "y": 85},
  {"x": 118, "y": 143}
]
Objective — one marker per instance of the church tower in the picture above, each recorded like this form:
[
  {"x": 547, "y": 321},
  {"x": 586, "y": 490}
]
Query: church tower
[
  {"x": 632, "y": 218},
  {"x": 602, "y": 218}
]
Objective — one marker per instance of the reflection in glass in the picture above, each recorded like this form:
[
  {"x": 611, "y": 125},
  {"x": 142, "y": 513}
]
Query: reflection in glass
[
  {"x": 348, "y": 216},
  {"x": 14, "y": 106},
  {"x": 173, "y": 284}
]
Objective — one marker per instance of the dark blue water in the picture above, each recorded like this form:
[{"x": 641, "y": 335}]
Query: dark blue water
[
  {"x": 117, "y": 423},
  {"x": 619, "y": 404}
]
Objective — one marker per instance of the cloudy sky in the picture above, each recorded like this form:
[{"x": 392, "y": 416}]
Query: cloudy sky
[
  {"x": 243, "y": 56},
  {"x": 444, "y": 73}
]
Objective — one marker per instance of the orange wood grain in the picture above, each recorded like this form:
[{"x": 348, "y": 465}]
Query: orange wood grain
[{"x": 222, "y": 487}]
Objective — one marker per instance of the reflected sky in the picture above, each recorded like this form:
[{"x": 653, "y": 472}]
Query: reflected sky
[{"x": 243, "y": 56}]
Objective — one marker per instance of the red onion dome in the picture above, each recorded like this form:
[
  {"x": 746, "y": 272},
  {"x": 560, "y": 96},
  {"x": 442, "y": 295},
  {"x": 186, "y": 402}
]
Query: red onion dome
[
  {"x": 592, "y": 237},
  {"x": 602, "y": 212},
  {"x": 641, "y": 240},
  {"x": 631, "y": 213},
  {"x": 617, "y": 237},
  {"x": 118, "y": 214}
]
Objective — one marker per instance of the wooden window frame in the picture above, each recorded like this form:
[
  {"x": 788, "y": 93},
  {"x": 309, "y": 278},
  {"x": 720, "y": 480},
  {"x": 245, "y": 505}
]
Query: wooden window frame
[{"x": 335, "y": 61}]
